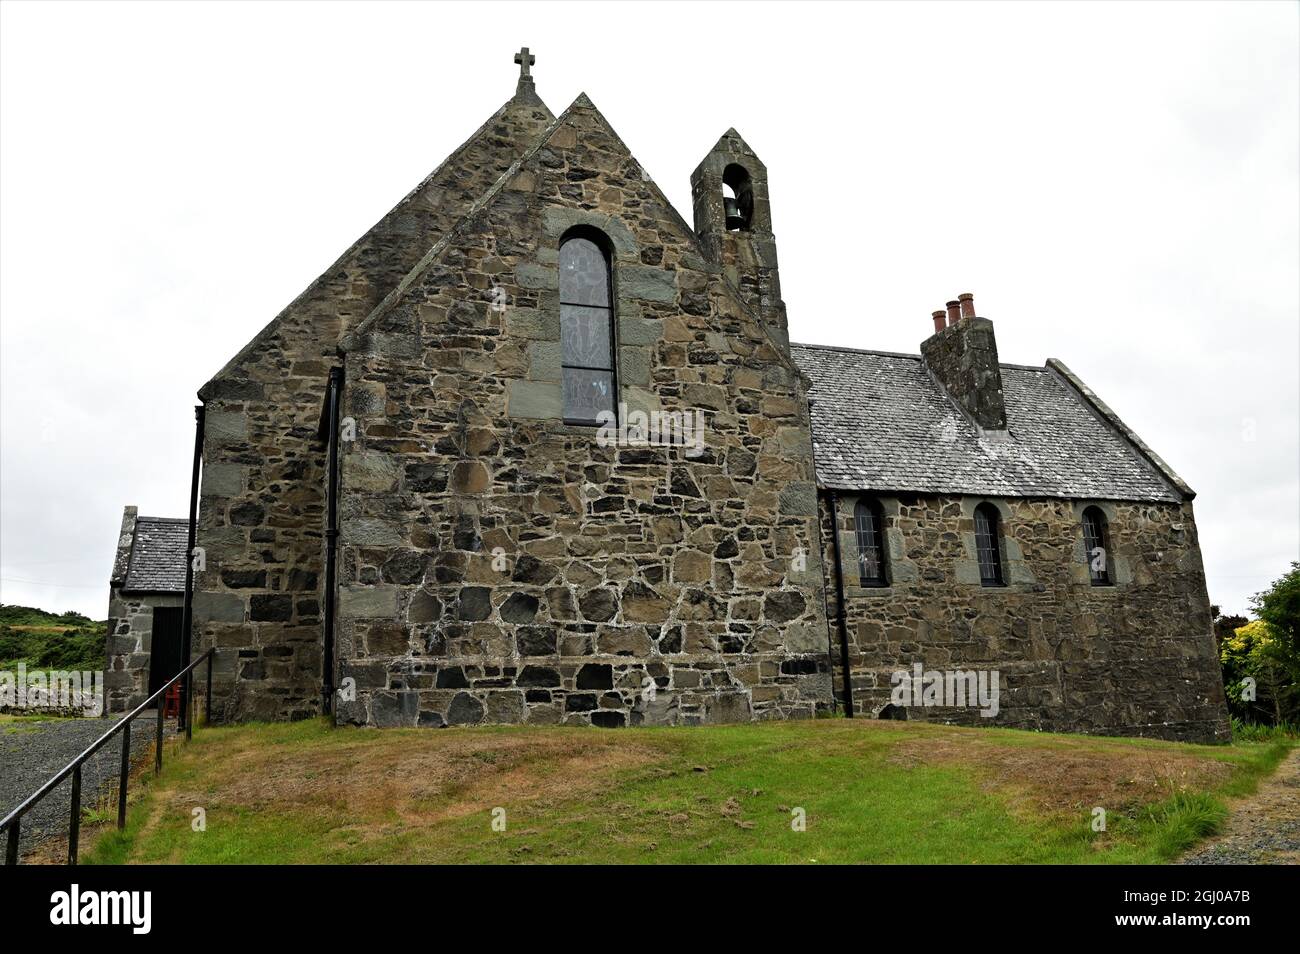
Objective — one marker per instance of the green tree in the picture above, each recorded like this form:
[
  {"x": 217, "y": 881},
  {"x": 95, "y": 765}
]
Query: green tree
[
  {"x": 1267, "y": 651},
  {"x": 1279, "y": 606},
  {"x": 1225, "y": 626},
  {"x": 1258, "y": 687}
]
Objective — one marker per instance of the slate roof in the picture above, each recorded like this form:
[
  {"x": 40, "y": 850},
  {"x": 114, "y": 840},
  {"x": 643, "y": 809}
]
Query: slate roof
[
  {"x": 157, "y": 562},
  {"x": 881, "y": 422}
]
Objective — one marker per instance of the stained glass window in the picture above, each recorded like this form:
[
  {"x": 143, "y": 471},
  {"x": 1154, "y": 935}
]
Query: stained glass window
[
  {"x": 868, "y": 522},
  {"x": 1094, "y": 545},
  {"x": 586, "y": 331},
  {"x": 987, "y": 545}
]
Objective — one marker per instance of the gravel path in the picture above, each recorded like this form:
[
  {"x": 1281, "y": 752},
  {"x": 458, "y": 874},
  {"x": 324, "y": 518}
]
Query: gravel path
[
  {"x": 31, "y": 752},
  {"x": 1263, "y": 829}
]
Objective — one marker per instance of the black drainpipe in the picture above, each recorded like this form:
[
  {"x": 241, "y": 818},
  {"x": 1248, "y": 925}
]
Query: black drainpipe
[
  {"x": 821, "y": 561},
  {"x": 331, "y": 535},
  {"x": 187, "y": 614},
  {"x": 839, "y": 606}
]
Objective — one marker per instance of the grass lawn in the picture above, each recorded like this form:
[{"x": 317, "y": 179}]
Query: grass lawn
[{"x": 869, "y": 791}]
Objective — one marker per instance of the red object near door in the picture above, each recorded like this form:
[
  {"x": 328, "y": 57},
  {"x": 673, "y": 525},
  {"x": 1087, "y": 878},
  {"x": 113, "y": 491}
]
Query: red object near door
[{"x": 172, "y": 702}]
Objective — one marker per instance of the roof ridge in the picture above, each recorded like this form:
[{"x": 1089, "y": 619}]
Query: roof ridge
[
  {"x": 903, "y": 354},
  {"x": 1037, "y": 368},
  {"x": 846, "y": 349}
]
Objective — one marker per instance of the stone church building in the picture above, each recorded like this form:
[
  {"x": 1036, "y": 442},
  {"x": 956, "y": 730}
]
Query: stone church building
[{"x": 426, "y": 499}]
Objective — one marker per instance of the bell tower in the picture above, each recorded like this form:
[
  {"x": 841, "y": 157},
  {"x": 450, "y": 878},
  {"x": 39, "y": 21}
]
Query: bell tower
[{"x": 733, "y": 219}]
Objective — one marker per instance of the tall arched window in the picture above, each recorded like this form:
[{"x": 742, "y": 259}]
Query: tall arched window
[
  {"x": 1095, "y": 546},
  {"x": 988, "y": 544},
  {"x": 586, "y": 327},
  {"x": 868, "y": 521}
]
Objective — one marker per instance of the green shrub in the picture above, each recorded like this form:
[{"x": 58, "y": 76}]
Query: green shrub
[
  {"x": 1266, "y": 652},
  {"x": 79, "y": 649},
  {"x": 13, "y": 644},
  {"x": 1258, "y": 732},
  {"x": 1254, "y": 653}
]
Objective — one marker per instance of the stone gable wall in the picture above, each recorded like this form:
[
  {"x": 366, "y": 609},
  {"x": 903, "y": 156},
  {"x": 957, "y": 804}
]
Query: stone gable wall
[
  {"x": 1135, "y": 658},
  {"x": 261, "y": 514},
  {"x": 500, "y": 566}
]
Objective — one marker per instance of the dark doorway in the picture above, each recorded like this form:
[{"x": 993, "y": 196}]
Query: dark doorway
[{"x": 166, "y": 653}]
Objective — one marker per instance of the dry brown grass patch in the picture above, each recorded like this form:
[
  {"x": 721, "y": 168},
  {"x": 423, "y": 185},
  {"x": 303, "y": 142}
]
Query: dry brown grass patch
[
  {"x": 423, "y": 775},
  {"x": 1067, "y": 776}
]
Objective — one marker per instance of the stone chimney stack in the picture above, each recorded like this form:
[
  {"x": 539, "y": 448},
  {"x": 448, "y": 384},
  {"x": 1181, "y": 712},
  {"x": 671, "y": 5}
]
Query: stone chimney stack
[{"x": 963, "y": 357}]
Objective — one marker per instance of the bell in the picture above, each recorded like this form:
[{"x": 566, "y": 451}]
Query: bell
[{"x": 735, "y": 220}]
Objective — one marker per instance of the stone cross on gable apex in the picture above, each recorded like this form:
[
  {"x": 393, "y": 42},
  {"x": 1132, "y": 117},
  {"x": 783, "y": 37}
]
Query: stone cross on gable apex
[{"x": 525, "y": 60}]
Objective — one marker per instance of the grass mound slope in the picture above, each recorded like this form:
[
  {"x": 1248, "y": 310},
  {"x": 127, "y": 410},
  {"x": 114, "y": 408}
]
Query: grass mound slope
[{"x": 793, "y": 792}]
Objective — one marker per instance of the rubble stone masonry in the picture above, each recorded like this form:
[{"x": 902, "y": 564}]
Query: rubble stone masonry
[
  {"x": 1133, "y": 658},
  {"x": 501, "y": 566}
]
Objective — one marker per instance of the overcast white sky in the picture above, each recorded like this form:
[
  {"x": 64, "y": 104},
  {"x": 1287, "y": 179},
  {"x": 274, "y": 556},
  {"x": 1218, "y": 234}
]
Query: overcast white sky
[{"x": 1118, "y": 183}]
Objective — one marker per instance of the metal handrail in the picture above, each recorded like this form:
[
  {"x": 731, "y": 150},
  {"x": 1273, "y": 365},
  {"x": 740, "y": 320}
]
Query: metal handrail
[{"x": 11, "y": 822}]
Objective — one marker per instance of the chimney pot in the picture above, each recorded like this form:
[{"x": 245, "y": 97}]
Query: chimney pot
[
  {"x": 967, "y": 301},
  {"x": 938, "y": 321},
  {"x": 953, "y": 313}
]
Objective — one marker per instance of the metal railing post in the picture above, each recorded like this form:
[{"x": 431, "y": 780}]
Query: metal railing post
[
  {"x": 187, "y": 612},
  {"x": 74, "y": 824},
  {"x": 11, "y": 844},
  {"x": 124, "y": 775},
  {"x": 157, "y": 759},
  {"x": 207, "y": 699}
]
